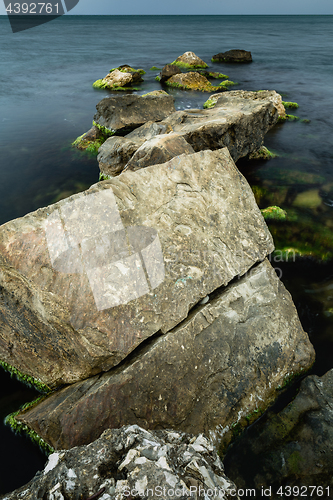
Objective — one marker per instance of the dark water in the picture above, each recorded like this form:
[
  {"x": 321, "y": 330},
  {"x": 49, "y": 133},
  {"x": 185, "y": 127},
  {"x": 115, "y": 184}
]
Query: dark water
[{"x": 46, "y": 101}]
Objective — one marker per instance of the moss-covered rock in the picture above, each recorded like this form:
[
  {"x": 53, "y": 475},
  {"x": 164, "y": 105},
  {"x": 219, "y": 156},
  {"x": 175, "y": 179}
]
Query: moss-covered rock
[
  {"x": 192, "y": 81},
  {"x": 156, "y": 92},
  {"x": 292, "y": 105},
  {"x": 119, "y": 79},
  {"x": 290, "y": 118},
  {"x": 92, "y": 140},
  {"x": 262, "y": 154},
  {"x": 274, "y": 213},
  {"x": 189, "y": 61},
  {"x": 212, "y": 74},
  {"x": 227, "y": 83},
  {"x": 233, "y": 56},
  {"x": 25, "y": 379}
]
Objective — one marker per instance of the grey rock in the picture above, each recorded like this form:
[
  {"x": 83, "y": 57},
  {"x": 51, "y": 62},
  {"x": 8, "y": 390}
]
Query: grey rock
[
  {"x": 168, "y": 71},
  {"x": 294, "y": 447},
  {"x": 238, "y": 121},
  {"x": 114, "y": 154},
  {"x": 129, "y": 463},
  {"x": 223, "y": 362},
  {"x": 98, "y": 273},
  {"x": 130, "y": 111},
  {"x": 260, "y": 95}
]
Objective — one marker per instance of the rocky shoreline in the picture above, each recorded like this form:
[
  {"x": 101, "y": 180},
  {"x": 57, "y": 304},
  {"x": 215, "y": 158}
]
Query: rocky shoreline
[{"x": 148, "y": 300}]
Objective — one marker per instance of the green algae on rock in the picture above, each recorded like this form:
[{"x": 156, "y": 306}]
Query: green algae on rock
[
  {"x": 292, "y": 105},
  {"x": 192, "y": 81},
  {"x": 290, "y": 118},
  {"x": 262, "y": 154},
  {"x": 25, "y": 379},
  {"x": 154, "y": 68},
  {"x": 190, "y": 61},
  {"x": 227, "y": 83},
  {"x": 275, "y": 213},
  {"x": 212, "y": 74},
  {"x": 92, "y": 140}
]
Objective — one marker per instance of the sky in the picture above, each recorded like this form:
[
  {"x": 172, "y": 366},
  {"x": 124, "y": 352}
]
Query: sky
[{"x": 199, "y": 7}]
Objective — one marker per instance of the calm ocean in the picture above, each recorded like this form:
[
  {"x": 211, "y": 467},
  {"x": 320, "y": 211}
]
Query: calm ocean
[{"x": 47, "y": 100}]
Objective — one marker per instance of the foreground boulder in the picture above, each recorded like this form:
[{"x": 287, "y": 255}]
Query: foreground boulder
[
  {"x": 233, "y": 56},
  {"x": 294, "y": 447},
  {"x": 130, "y": 463},
  {"x": 88, "y": 279},
  {"x": 127, "y": 112},
  {"x": 259, "y": 95},
  {"x": 190, "y": 60},
  {"x": 236, "y": 122},
  {"x": 223, "y": 363},
  {"x": 192, "y": 81}
]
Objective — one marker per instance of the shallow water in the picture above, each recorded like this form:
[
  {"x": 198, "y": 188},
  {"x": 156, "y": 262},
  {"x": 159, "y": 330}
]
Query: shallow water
[{"x": 46, "y": 101}]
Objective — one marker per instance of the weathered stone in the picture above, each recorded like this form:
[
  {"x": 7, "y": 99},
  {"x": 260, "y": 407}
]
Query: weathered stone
[
  {"x": 131, "y": 463},
  {"x": 233, "y": 56},
  {"x": 114, "y": 154},
  {"x": 265, "y": 95},
  {"x": 193, "y": 81},
  {"x": 130, "y": 111},
  {"x": 222, "y": 363},
  {"x": 76, "y": 300},
  {"x": 168, "y": 71},
  {"x": 190, "y": 60},
  {"x": 294, "y": 447},
  {"x": 118, "y": 78},
  {"x": 159, "y": 149}
]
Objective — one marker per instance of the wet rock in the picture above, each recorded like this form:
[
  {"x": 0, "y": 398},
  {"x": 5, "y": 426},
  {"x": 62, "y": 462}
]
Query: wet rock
[
  {"x": 129, "y": 463},
  {"x": 240, "y": 124},
  {"x": 224, "y": 362},
  {"x": 190, "y": 60},
  {"x": 192, "y": 81},
  {"x": 159, "y": 149},
  {"x": 294, "y": 447},
  {"x": 88, "y": 279},
  {"x": 128, "y": 112},
  {"x": 233, "y": 56},
  {"x": 262, "y": 154},
  {"x": 266, "y": 95},
  {"x": 168, "y": 71},
  {"x": 91, "y": 140}
]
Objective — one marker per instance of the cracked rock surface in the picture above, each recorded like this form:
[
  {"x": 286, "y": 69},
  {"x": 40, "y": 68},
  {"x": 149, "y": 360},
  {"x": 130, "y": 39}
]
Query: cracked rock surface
[{"x": 132, "y": 463}]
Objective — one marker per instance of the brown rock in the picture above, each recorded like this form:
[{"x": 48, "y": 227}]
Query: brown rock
[
  {"x": 233, "y": 56},
  {"x": 168, "y": 71},
  {"x": 193, "y": 81}
]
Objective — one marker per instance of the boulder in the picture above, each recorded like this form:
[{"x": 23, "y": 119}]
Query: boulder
[
  {"x": 233, "y": 56},
  {"x": 132, "y": 463},
  {"x": 88, "y": 279},
  {"x": 192, "y": 81},
  {"x": 238, "y": 123},
  {"x": 292, "y": 448},
  {"x": 190, "y": 60},
  {"x": 159, "y": 149},
  {"x": 223, "y": 363},
  {"x": 168, "y": 71},
  {"x": 128, "y": 112},
  {"x": 261, "y": 95}
]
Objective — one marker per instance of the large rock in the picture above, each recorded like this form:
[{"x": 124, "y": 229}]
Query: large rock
[
  {"x": 85, "y": 281},
  {"x": 233, "y": 56},
  {"x": 130, "y": 111},
  {"x": 192, "y": 81},
  {"x": 261, "y": 95},
  {"x": 159, "y": 149},
  {"x": 133, "y": 463},
  {"x": 292, "y": 448},
  {"x": 238, "y": 122},
  {"x": 190, "y": 60},
  {"x": 224, "y": 362}
]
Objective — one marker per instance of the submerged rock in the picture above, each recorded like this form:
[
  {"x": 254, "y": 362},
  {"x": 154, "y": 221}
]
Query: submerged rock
[
  {"x": 240, "y": 124},
  {"x": 98, "y": 273},
  {"x": 292, "y": 448},
  {"x": 224, "y": 362},
  {"x": 130, "y": 111},
  {"x": 233, "y": 56},
  {"x": 129, "y": 463},
  {"x": 190, "y": 60},
  {"x": 192, "y": 81}
]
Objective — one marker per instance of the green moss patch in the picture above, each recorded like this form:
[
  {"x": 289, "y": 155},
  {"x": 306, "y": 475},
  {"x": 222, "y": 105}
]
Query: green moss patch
[
  {"x": 274, "y": 213},
  {"x": 128, "y": 69},
  {"x": 154, "y": 68},
  {"x": 290, "y": 118},
  {"x": 25, "y": 379},
  {"x": 210, "y": 103},
  {"x": 189, "y": 66},
  {"x": 158, "y": 78},
  {"x": 292, "y": 105},
  {"x": 104, "y": 177},
  {"x": 92, "y": 146},
  {"x": 200, "y": 88},
  {"x": 227, "y": 83},
  {"x": 262, "y": 154}
]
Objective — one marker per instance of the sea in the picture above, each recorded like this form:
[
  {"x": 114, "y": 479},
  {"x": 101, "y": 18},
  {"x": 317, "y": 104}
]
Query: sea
[{"x": 47, "y": 100}]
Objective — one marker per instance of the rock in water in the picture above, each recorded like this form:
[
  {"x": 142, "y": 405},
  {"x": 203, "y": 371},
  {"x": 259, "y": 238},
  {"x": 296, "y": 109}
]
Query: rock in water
[
  {"x": 233, "y": 56},
  {"x": 193, "y": 81},
  {"x": 259, "y": 95},
  {"x": 190, "y": 60},
  {"x": 85, "y": 281},
  {"x": 294, "y": 447},
  {"x": 221, "y": 364},
  {"x": 168, "y": 71},
  {"x": 132, "y": 463},
  {"x": 127, "y": 112}
]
